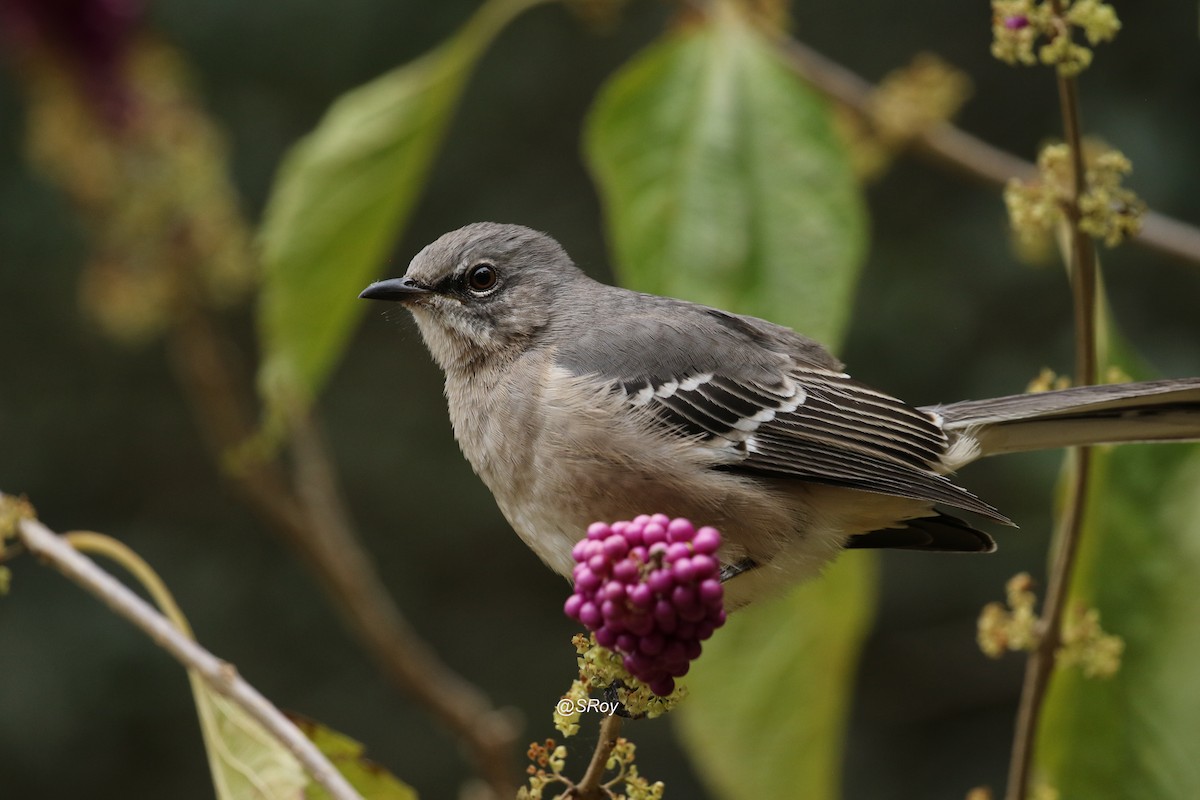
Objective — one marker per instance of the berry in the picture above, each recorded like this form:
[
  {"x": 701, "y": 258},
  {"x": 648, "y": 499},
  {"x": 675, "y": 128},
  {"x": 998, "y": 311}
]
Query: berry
[
  {"x": 649, "y": 589},
  {"x": 711, "y": 591},
  {"x": 707, "y": 540}
]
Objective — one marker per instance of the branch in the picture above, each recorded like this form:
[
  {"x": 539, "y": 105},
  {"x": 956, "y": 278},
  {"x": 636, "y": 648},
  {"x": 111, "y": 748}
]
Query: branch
[
  {"x": 368, "y": 608},
  {"x": 1082, "y": 269},
  {"x": 949, "y": 146},
  {"x": 221, "y": 676},
  {"x": 1040, "y": 664},
  {"x": 1082, "y": 262},
  {"x": 590, "y": 786},
  {"x": 312, "y": 519}
]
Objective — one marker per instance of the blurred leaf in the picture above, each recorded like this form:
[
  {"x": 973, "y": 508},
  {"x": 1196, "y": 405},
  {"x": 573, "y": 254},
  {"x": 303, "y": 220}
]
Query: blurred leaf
[
  {"x": 1134, "y": 736},
  {"x": 245, "y": 760},
  {"x": 343, "y": 196},
  {"x": 723, "y": 184},
  {"x": 769, "y": 701},
  {"x": 369, "y": 779}
]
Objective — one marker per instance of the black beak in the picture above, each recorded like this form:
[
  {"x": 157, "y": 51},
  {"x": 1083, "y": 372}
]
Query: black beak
[{"x": 393, "y": 289}]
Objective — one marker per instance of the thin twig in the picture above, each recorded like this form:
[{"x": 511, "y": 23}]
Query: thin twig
[
  {"x": 1082, "y": 267},
  {"x": 1082, "y": 260},
  {"x": 221, "y": 676},
  {"x": 590, "y": 787},
  {"x": 1040, "y": 664},
  {"x": 312, "y": 518},
  {"x": 368, "y": 608},
  {"x": 970, "y": 156}
]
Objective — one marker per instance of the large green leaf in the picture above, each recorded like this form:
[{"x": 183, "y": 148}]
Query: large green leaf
[
  {"x": 770, "y": 694},
  {"x": 341, "y": 199},
  {"x": 723, "y": 184},
  {"x": 1135, "y": 735}
]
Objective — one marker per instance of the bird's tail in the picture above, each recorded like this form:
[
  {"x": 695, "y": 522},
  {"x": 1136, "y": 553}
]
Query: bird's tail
[{"x": 1152, "y": 411}]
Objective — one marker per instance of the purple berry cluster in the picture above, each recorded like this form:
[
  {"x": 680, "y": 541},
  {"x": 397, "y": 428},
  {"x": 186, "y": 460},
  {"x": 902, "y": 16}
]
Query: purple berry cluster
[{"x": 650, "y": 590}]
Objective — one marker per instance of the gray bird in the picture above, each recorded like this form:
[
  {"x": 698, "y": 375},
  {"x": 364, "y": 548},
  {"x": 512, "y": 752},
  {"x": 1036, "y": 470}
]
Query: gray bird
[{"x": 576, "y": 401}]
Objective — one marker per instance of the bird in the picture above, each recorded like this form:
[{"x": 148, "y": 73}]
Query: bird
[{"x": 576, "y": 401}]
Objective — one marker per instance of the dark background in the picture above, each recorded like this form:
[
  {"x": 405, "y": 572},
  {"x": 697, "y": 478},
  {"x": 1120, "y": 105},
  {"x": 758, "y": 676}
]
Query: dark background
[{"x": 99, "y": 437}]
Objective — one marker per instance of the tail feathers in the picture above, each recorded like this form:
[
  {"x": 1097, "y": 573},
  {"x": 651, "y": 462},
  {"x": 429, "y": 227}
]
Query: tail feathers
[
  {"x": 1151, "y": 411},
  {"x": 939, "y": 533}
]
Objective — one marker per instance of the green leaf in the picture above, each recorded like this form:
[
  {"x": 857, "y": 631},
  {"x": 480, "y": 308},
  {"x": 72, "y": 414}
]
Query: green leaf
[
  {"x": 769, "y": 696},
  {"x": 246, "y": 762},
  {"x": 342, "y": 198},
  {"x": 369, "y": 779},
  {"x": 723, "y": 184},
  {"x": 1134, "y": 735}
]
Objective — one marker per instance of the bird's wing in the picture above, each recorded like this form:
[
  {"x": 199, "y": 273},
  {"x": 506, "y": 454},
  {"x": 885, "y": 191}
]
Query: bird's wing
[{"x": 771, "y": 409}]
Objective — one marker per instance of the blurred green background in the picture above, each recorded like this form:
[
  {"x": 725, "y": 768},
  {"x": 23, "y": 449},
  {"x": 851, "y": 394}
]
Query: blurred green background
[{"x": 100, "y": 437}]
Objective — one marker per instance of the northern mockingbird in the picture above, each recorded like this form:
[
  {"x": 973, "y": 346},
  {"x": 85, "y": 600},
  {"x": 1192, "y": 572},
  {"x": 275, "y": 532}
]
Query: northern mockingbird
[{"x": 576, "y": 401}]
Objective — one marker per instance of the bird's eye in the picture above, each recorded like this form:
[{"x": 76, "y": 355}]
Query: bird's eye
[{"x": 482, "y": 277}]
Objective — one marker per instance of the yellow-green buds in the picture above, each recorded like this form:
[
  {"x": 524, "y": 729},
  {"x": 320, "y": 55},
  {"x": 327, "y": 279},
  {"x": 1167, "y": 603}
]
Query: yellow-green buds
[
  {"x": 1107, "y": 210},
  {"x": 1033, "y": 31}
]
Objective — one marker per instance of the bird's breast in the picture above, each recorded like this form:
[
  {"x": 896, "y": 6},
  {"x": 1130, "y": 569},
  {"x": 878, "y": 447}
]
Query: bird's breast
[{"x": 560, "y": 451}]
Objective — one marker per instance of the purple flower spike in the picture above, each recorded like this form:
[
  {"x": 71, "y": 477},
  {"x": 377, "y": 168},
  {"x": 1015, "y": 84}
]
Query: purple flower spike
[{"x": 91, "y": 37}]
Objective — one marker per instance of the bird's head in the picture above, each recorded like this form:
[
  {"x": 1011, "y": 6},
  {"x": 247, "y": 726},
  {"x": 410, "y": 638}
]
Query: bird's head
[{"x": 482, "y": 292}]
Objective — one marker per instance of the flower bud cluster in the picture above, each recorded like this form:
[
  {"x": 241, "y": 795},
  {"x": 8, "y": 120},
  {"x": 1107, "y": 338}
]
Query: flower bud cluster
[
  {"x": 1107, "y": 210},
  {"x": 1032, "y": 31}
]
